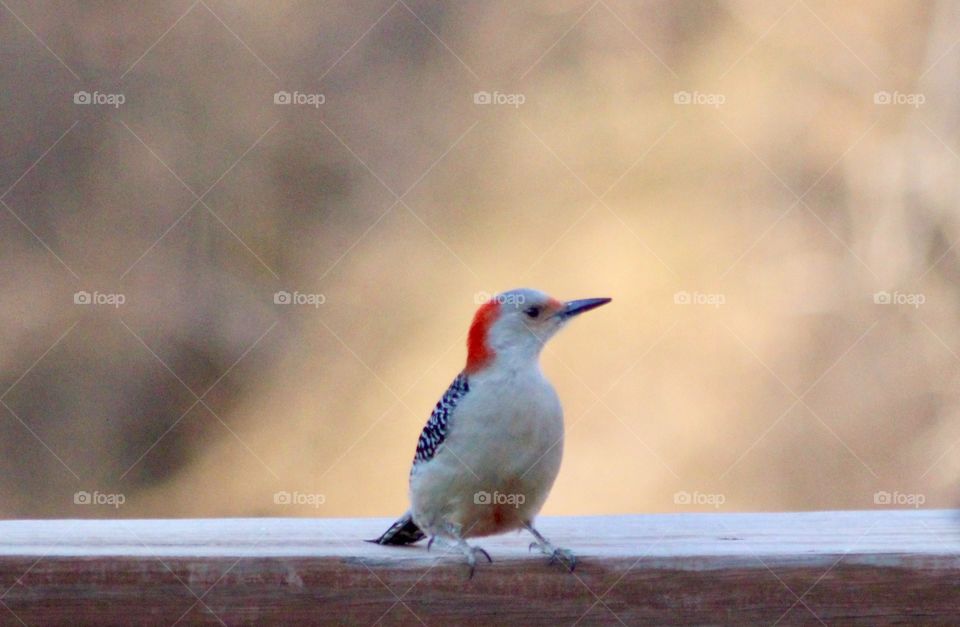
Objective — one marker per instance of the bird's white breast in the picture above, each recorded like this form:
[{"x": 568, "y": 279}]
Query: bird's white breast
[{"x": 500, "y": 457}]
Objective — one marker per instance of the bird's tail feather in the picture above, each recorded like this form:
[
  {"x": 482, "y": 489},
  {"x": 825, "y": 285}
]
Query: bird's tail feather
[{"x": 404, "y": 531}]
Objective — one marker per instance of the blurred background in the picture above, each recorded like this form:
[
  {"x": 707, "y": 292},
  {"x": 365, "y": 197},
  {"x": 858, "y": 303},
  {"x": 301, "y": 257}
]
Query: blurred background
[{"x": 241, "y": 243}]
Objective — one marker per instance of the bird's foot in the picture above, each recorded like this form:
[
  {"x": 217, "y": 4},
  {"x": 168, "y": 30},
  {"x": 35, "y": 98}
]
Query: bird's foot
[
  {"x": 564, "y": 557},
  {"x": 471, "y": 553},
  {"x": 556, "y": 554}
]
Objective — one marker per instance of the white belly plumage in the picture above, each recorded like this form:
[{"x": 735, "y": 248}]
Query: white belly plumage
[{"x": 497, "y": 463}]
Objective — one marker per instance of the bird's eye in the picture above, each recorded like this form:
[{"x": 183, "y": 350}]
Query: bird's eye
[{"x": 532, "y": 312}]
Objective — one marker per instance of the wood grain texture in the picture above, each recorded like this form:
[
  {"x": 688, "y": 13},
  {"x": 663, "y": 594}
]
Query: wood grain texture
[{"x": 856, "y": 567}]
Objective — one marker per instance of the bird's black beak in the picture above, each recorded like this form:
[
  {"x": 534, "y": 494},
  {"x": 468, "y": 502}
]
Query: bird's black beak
[{"x": 576, "y": 307}]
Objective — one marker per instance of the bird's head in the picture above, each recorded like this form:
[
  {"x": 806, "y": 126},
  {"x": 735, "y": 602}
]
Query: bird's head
[{"x": 512, "y": 327}]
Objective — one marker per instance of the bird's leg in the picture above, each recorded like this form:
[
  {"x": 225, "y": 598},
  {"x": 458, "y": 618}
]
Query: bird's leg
[
  {"x": 564, "y": 556},
  {"x": 452, "y": 533}
]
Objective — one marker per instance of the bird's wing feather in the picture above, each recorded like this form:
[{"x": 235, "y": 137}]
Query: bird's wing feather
[
  {"x": 404, "y": 531},
  {"x": 435, "y": 431}
]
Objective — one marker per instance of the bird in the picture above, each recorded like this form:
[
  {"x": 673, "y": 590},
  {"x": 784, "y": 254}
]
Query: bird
[{"x": 489, "y": 454}]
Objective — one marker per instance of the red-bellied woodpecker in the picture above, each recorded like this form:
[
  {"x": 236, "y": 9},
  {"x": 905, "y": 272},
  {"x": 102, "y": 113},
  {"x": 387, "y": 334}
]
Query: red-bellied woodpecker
[{"x": 489, "y": 454}]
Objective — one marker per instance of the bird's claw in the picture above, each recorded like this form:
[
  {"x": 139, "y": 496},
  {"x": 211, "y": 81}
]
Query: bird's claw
[
  {"x": 556, "y": 554},
  {"x": 565, "y": 557},
  {"x": 471, "y": 554}
]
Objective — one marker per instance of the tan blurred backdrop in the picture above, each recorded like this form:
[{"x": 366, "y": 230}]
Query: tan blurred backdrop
[{"x": 751, "y": 181}]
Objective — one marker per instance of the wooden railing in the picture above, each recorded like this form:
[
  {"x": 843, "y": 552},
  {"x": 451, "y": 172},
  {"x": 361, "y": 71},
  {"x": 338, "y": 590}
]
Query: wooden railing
[{"x": 869, "y": 567}]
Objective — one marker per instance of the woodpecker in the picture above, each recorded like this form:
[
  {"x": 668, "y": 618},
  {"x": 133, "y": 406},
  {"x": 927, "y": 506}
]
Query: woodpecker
[{"x": 491, "y": 450}]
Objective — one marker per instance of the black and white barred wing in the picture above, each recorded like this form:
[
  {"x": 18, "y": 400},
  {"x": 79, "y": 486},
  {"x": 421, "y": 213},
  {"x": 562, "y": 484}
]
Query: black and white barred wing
[
  {"x": 404, "y": 530},
  {"x": 435, "y": 431}
]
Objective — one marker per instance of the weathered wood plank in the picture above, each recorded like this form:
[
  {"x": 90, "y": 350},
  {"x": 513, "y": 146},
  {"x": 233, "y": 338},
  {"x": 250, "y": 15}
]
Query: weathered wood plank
[{"x": 864, "y": 567}]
